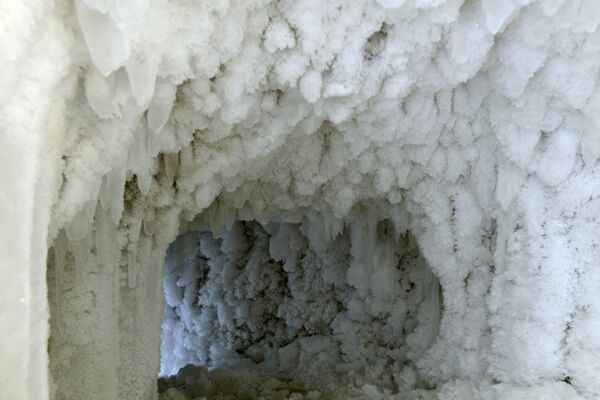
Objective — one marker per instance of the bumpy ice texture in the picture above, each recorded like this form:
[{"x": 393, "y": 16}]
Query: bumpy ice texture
[
  {"x": 265, "y": 300},
  {"x": 471, "y": 125}
]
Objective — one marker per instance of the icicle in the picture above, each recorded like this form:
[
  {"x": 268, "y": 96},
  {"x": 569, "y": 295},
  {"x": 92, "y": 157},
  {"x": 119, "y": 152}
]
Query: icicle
[
  {"x": 132, "y": 269},
  {"x": 171, "y": 161},
  {"x": 60, "y": 250},
  {"x": 99, "y": 91},
  {"x": 148, "y": 226},
  {"x": 103, "y": 194},
  {"x": 363, "y": 234},
  {"x": 144, "y": 252},
  {"x": 229, "y": 217},
  {"x": 106, "y": 42},
  {"x": 321, "y": 230},
  {"x": 160, "y": 107},
  {"x": 436, "y": 303},
  {"x": 400, "y": 218},
  {"x": 144, "y": 180},
  {"x": 153, "y": 143},
  {"x": 497, "y": 12},
  {"x": 138, "y": 162},
  {"x": 79, "y": 227},
  {"x": 213, "y": 224},
  {"x": 142, "y": 77},
  {"x": 57, "y": 292},
  {"x": 82, "y": 252},
  {"x": 106, "y": 233},
  {"x": 245, "y": 213},
  {"x": 335, "y": 227},
  {"x": 117, "y": 282},
  {"x": 220, "y": 216},
  {"x": 134, "y": 230},
  {"x": 115, "y": 185}
]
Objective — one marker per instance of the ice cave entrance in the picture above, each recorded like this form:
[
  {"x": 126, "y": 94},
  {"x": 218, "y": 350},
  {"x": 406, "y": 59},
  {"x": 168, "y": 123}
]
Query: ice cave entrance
[{"x": 274, "y": 299}]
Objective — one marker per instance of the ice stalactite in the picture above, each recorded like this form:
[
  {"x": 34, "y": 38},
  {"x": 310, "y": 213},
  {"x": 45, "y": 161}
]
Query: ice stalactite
[{"x": 106, "y": 288}]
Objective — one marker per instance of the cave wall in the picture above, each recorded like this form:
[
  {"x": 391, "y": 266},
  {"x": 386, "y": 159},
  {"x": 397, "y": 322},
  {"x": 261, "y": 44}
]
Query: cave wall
[
  {"x": 120, "y": 126},
  {"x": 31, "y": 124}
]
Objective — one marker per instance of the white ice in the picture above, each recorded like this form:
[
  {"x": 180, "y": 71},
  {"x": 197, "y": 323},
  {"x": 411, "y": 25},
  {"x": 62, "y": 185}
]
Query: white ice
[{"x": 320, "y": 146}]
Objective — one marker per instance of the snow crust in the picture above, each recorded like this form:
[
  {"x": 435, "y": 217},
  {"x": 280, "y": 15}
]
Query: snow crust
[{"x": 471, "y": 125}]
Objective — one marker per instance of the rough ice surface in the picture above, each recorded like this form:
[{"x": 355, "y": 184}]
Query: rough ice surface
[
  {"x": 262, "y": 298},
  {"x": 364, "y": 199}
]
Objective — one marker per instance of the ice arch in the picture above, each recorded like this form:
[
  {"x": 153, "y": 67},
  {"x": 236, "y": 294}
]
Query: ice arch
[{"x": 471, "y": 124}]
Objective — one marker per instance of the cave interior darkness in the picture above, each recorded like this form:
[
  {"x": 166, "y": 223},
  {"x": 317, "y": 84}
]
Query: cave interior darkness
[{"x": 263, "y": 299}]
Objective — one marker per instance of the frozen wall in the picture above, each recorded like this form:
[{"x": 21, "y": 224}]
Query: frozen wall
[
  {"x": 121, "y": 122},
  {"x": 31, "y": 123}
]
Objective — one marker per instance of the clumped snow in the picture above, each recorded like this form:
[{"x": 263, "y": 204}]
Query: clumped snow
[{"x": 471, "y": 125}]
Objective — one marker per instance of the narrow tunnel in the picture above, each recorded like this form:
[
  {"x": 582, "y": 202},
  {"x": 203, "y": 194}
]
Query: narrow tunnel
[
  {"x": 299, "y": 199},
  {"x": 250, "y": 309},
  {"x": 261, "y": 301}
]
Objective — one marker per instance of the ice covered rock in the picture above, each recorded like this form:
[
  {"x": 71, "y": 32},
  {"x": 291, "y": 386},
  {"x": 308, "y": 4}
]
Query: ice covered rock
[{"x": 161, "y": 106}]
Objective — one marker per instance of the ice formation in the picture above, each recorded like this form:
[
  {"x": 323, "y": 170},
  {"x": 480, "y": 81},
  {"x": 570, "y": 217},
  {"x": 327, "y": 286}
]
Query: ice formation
[
  {"x": 377, "y": 199},
  {"x": 267, "y": 298}
]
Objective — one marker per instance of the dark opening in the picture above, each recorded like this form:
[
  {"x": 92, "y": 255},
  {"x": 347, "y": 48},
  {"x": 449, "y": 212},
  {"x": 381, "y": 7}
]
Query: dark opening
[{"x": 272, "y": 308}]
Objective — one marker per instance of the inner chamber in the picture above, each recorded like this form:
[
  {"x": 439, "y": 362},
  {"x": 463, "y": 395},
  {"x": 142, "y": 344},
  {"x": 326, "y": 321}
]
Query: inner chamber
[{"x": 272, "y": 310}]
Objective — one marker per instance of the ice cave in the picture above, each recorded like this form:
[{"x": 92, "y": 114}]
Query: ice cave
[{"x": 299, "y": 199}]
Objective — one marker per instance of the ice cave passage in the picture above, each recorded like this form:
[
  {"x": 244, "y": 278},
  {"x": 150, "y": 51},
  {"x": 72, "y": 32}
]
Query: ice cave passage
[
  {"x": 264, "y": 299},
  {"x": 299, "y": 199}
]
